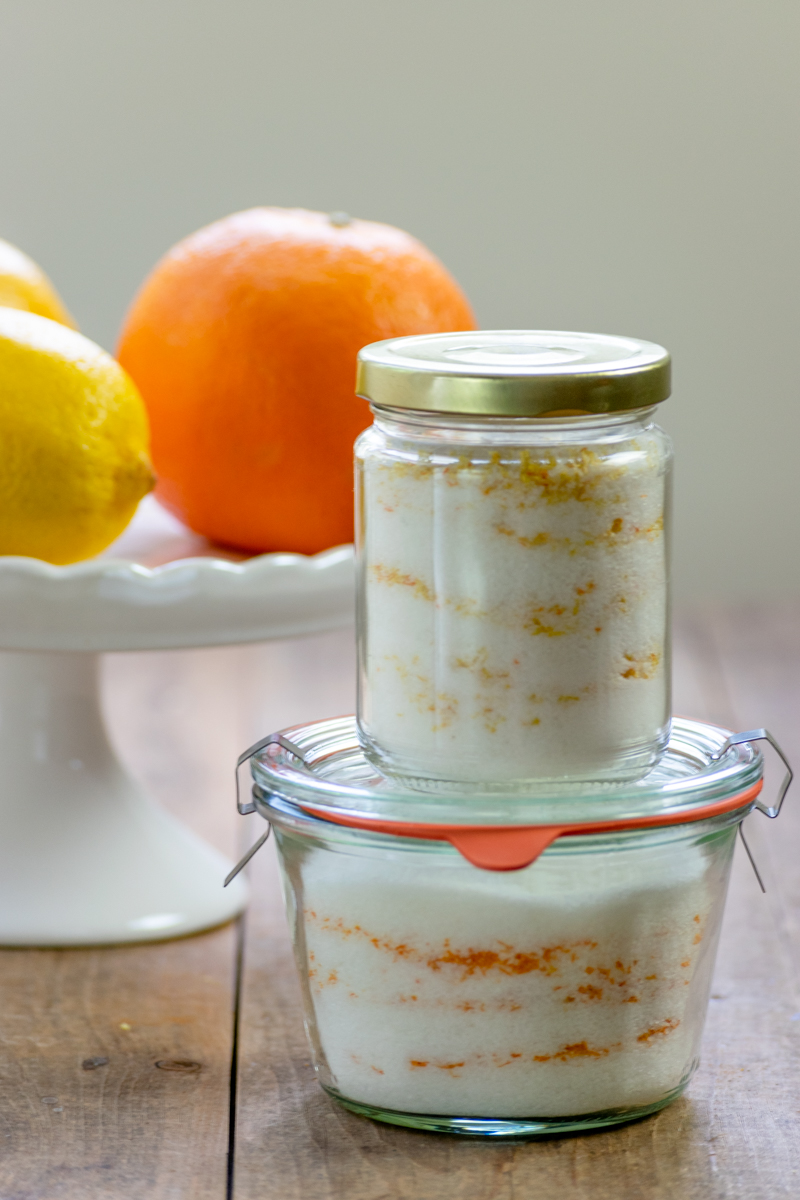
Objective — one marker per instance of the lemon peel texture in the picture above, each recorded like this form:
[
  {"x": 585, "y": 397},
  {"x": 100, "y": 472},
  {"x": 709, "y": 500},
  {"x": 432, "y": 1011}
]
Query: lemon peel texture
[{"x": 74, "y": 440}]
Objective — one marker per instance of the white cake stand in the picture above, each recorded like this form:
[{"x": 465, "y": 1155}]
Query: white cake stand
[{"x": 85, "y": 856}]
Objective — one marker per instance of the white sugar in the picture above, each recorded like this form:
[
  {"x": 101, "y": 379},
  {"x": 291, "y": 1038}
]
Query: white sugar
[
  {"x": 574, "y": 986},
  {"x": 515, "y": 611}
]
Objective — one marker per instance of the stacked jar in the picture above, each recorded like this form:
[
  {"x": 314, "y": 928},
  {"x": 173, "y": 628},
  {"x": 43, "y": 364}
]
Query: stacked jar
[
  {"x": 506, "y": 880},
  {"x": 512, "y": 509}
]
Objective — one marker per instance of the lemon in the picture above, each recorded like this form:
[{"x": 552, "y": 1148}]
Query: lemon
[
  {"x": 73, "y": 442},
  {"x": 24, "y": 285}
]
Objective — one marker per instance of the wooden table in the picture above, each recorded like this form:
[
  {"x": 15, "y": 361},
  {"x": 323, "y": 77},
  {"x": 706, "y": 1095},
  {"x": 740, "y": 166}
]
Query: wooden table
[{"x": 180, "y": 1069}]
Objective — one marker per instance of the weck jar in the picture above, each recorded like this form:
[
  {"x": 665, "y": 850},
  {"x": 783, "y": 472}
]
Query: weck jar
[
  {"x": 512, "y": 513},
  {"x": 504, "y": 965}
]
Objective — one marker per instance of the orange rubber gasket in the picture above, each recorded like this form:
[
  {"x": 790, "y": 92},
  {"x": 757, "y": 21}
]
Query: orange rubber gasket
[{"x": 511, "y": 847}]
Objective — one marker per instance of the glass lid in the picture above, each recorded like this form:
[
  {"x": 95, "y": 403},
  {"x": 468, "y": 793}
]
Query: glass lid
[{"x": 331, "y": 774}]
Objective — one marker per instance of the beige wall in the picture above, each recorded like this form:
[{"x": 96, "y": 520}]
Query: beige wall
[{"x": 628, "y": 166}]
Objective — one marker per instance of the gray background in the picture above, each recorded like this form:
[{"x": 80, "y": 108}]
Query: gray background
[{"x": 626, "y": 166}]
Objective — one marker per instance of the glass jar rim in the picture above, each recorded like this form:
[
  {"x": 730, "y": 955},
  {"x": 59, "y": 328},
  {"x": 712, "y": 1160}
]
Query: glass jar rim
[
  {"x": 543, "y": 423},
  {"x": 291, "y": 818},
  {"x": 334, "y": 775}
]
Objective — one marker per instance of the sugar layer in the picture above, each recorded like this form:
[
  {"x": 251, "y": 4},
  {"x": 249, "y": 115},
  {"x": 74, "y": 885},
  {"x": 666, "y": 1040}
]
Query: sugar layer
[
  {"x": 515, "y": 610},
  {"x": 574, "y": 986}
]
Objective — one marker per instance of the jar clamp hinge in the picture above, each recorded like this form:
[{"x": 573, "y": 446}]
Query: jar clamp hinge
[
  {"x": 771, "y": 811},
  {"x": 248, "y": 806}
]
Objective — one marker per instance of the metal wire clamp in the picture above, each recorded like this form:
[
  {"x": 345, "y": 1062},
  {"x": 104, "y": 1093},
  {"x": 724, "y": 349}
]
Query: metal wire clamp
[
  {"x": 273, "y": 739},
  {"x": 771, "y": 811},
  {"x": 761, "y": 735}
]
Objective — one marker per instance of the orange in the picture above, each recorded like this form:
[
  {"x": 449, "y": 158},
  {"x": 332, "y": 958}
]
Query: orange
[{"x": 243, "y": 343}]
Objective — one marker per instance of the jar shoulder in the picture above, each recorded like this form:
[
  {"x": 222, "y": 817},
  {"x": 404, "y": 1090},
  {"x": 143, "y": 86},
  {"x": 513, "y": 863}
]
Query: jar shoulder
[{"x": 638, "y": 439}]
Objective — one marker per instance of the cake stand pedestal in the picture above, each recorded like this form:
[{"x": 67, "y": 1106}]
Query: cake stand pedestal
[{"x": 86, "y": 857}]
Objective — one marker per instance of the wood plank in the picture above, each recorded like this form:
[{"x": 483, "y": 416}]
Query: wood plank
[
  {"x": 730, "y": 1136},
  {"x": 126, "y": 1128},
  {"x": 129, "y": 1128}
]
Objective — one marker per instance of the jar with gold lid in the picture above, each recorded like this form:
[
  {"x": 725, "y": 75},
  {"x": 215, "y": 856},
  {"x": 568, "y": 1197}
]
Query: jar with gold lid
[{"x": 513, "y": 558}]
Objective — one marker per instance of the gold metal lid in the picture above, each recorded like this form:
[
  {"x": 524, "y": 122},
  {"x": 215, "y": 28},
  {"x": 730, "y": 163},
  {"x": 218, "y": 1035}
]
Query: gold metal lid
[{"x": 514, "y": 373}]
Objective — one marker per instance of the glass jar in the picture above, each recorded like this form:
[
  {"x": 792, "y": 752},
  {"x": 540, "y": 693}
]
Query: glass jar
[
  {"x": 566, "y": 995},
  {"x": 512, "y": 506}
]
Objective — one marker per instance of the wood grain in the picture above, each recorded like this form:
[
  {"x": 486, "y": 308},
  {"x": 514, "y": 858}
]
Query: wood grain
[
  {"x": 733, "y": 1135},
  {"x": 127, "y": 1128}
]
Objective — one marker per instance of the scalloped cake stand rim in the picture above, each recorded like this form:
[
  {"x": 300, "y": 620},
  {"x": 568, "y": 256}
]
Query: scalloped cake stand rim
[{"x": 112, "y": 604}]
